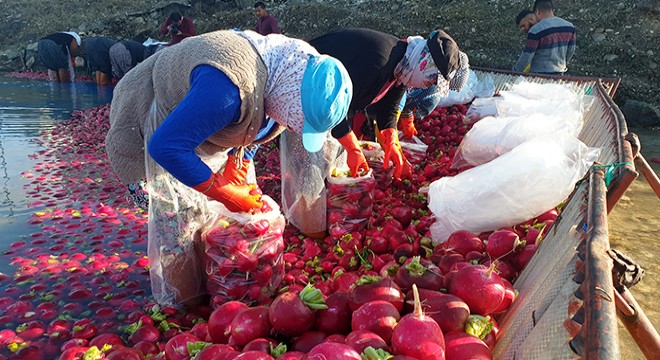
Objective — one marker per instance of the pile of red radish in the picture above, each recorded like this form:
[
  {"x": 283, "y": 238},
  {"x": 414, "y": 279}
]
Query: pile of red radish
[{"x": 80, "y": 282}]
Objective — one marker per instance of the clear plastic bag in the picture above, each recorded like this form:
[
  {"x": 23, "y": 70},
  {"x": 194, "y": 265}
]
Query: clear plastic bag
[
  {"x": 243, "y": 254},
  {"x": 350, "y": 201},
  {"x": 519, "y": 185},
  {"x": 413, "y": 149},
  {"x": 375, "y": 156},
  {"x": 481, "y": 108},
  {"x": 176, "y": 216},
  {"x": 303, "y": 181},
  {"x": 494, "y": 136},
  {"x": 475, "y": 87}
]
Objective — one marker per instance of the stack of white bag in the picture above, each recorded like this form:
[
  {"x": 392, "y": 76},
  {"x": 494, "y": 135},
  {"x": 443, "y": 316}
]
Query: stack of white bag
[
  {"x": 525, "y": 163},
  {"x": 527, "y": 111}
]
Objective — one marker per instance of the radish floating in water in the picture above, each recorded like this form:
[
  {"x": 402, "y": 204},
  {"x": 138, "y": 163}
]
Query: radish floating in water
[
  {"x": 480, "y": 287},
  {"x": 418, "y": 335},
  {"x": 291, "y": 314}
]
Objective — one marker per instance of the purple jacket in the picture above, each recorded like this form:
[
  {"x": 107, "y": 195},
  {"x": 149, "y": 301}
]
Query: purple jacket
[{"x": 267, "y": 25}]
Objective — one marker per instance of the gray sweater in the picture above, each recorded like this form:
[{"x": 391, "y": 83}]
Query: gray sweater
[{"x": 549, "y": 47}]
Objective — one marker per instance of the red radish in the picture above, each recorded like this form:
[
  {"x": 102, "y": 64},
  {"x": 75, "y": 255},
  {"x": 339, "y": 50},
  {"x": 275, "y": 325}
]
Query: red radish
[
  {"x": 379, "y": 317},
  {"x": 463, "y": 241},
  {"x": 480, "y": 287},
  {"x": 462, "y": 346},
  {"x": 147, "y": 348},
  {"x": 110, "y": 339},
  {"x": 124, "y": 354},
  {"x": 201, "y": 330},
  {"x": 362, "y": 339},
  {"x": 345, "y": 281},
  {"x": 332, "y": 351},
  {"x": 371, "y": 288},
  {"x": 338, "y": 338},
  {"x": 402, "y": 357},
  {"x": 449, "y": 311},
  {"x": 177, "y": 347},
  {"x": 522, "y": 259},
  {"x": 418, "y": 335},
  {"x": 504, "y": 269},
  {"x": 403, "y": 215},
  {"x": 448, "y": 260},
  {"x": 144, "y": 333},
  {"x": 502, "y": 243},
  {"x": 75, "y": 353},
  {"x": 221, "y": 319},
  {"x": 336, "y": 319},
  {"x": 419, "y": 272},
  {"x": 253, "y": 355},
  {"x": 378, "y": 244},
  {"x": 291, "y": 314},
  {"x": 217, "y": 352},
  {"x": 510, "y": 295},
  {"x": 250, "y": 324},
  {"x": 308, "y": 340},
  {"x": 551, "y": 214},
  {"x": 263, "y": 345},
  {"x": 292, "y": 355}
]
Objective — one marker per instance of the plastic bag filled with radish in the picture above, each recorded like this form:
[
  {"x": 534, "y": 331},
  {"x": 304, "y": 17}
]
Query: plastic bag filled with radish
[
  {"x": 413, "y": 149},
  {"x": 243, "y": 253},
  {"x": 177, "y": 214},
  {"x": 374, "y": 154},
  {"x": 350, "y": 201},
  {"x": 303, "y": 180},
  {"x": 519, "y": 185}
]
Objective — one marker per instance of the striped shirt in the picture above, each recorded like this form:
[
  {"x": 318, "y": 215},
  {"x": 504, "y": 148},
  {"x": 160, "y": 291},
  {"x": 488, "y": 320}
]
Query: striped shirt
[{"x": 549, "y": 47}]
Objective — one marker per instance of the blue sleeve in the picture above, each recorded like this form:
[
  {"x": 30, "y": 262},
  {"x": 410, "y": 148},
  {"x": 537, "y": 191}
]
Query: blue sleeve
[{"x": 212, "y": 103}]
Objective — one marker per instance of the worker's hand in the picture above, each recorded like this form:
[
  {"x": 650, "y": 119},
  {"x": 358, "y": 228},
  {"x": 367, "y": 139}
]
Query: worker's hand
[
  {"x": 234, "y": 174},
  {"x": 355, "y": 159},
  {"x": 236, "y": 198},
  {"x": 390, "y": 142},
  {"x": 407, "y": 125},
  {"x": 139, "y": 195}
]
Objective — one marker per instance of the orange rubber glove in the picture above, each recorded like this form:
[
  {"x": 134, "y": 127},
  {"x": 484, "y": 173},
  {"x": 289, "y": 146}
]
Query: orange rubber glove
[
  {"x": 407, "y": 125},
  {"x": 389, "y": 140},
  {"x": 233, "y": 174},
  {"x": 357, "y": 163},
  {"x": 236, "y": 198}
]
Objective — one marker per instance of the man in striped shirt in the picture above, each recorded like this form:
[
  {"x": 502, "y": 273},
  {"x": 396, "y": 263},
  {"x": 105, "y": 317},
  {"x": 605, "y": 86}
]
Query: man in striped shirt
[{"x": 550, "y": 43}]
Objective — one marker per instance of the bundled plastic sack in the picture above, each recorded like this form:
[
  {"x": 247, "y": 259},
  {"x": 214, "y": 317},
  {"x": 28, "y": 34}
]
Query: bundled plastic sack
[
  {"x": 517, "y": 186},
  {"x": 413, "y": 149},
  {"x": 494, "y": 136},
  {"x": 481, "y": 108},
  {"x": 303, "y": 180},
  {"x": 243, "y": 253},
  {"x": 350, "y": 201},
  {"x": 375, "y": 156},
  {"x": 475, "y": 87}
]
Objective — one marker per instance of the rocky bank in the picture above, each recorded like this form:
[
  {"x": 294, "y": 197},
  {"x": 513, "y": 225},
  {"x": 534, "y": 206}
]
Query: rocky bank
[{"x": 615, "y": 38}]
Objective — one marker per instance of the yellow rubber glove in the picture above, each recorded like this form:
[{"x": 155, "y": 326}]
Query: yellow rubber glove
[
  {"x": 236, "y": 198},
  {"x": 357, "y": 163},
  {"x": 389, "y": 140}
]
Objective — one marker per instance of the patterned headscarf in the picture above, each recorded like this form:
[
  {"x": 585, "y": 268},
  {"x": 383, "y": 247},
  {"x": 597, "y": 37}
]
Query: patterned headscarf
[
  {"x": 286, "y": 60},
  {"x": 417, "y": 68}
]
